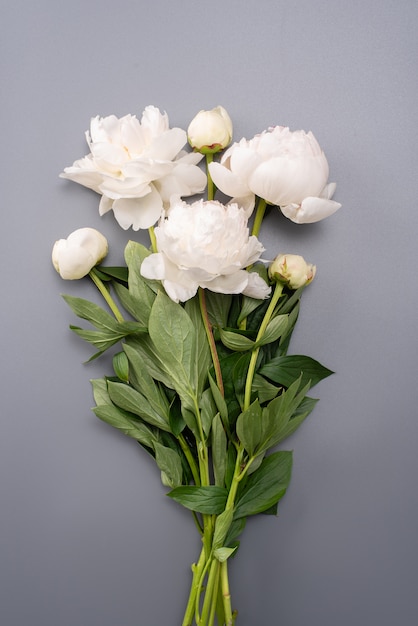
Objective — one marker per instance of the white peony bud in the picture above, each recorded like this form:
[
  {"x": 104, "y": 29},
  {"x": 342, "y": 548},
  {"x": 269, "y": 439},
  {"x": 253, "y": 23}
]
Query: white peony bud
[
  {"x": 292, "y": 270},
  {"x": 210, "y": 131},
  {"x": 75, "y": 256}
]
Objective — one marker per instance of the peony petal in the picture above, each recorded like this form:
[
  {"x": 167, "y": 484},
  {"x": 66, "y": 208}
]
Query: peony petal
[
  {"x": 84, "y": 172},
  {"x": 311, "y": 210},
  {"x": 178, "y": 292},
  {"x": 138, "y": 212},
  {"x": 167, "y": 146},
  {"x": 153, "y": 266},
  {"x": 227, "y": 181},
  {"x": 232, "y": 283},
  {"x": 257, "y": 287},
  {"x": 247, "y": 203},
  {"x": 184, "y": 180}
]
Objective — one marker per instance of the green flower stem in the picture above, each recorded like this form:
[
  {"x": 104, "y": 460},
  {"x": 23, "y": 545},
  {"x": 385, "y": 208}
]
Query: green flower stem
[
  {"x": 197, "y": 569},
  {"x": 106, "y": 295},
  {"x": 153, "y": 239},
  {"x": 211, "y": 186},
  {"x": 211, "y": 589},
  {"x": 211, "y": 340},
  {"x": 261, "y": 209},
  {"x": 251, "y": 368},
  {"x": 226, "y": 595},
  {"x": 212, "y": 614}
]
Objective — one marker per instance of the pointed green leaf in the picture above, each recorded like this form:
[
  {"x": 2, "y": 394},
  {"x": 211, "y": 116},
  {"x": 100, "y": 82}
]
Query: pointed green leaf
[
  {"x": 275, "y": 328},
  {"x": 219, "y": 450},
  {"x": 209, "y": 500},
  {"x": 91, "y": 312},
  {"x": 249, "y": 427},
  {"x": 120, "y": 273},
  {"x": 264, "y": 390},
  {"x": 222, "y": 554},
  {"x": 129, "y": 399},
  {"x": 222, "y": 525},
  {"x": 266, "y": 486},
  {"x": 126, "y": 423},
  {"x": 203, "y": 359},
  {"x": 142, "y": 381},
  {"x": 218, "y": 306},
  {"x": 173, "y": 335},
  {"x": 286, "y": 369},
  {"x": 235, "y": 341},
  {"x": 169, "y": 462}
]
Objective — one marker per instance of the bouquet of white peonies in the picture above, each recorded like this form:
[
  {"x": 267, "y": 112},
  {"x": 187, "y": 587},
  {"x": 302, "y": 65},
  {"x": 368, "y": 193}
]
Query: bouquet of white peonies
[{"x": 202, "y": 379}]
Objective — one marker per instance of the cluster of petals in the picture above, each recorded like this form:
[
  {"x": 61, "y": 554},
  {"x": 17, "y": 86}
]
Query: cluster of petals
[
  {"x": 137, "y": 166},
  {"x": 285, "y": 168},
  {"x": 205, "y": 244}
]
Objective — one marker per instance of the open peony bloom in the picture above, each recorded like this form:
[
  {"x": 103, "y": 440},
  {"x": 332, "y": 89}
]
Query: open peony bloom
[
  {"x": 205, "y": 244},
  {"x": 137, "y": 166},
  {"x": 285, "y": 168},
  {"x": 210, "y": 131},
  {"x": 75, "y": 256},
  {"x": 292, "y": 270}
]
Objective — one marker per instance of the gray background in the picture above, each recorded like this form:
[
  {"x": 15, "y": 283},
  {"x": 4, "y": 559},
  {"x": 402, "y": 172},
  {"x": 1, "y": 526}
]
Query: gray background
[{"x": 87, "y": 536}]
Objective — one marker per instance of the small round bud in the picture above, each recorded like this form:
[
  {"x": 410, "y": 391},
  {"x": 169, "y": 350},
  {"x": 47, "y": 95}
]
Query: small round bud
[
  {"x": 210, "y": 131},
  {"x": 292, "y": 270},
  {"x": 75, "y": 256}
]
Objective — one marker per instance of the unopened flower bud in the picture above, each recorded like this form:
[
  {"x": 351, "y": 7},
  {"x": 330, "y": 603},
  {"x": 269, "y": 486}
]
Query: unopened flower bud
[
  {"x": 292, "y": 270},
  {"x": 210, "y": 131},
  {"x": 75, "y": 256}
]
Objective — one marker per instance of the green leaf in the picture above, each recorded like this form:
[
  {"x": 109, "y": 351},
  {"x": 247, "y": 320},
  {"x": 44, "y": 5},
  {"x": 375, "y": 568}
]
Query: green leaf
[
  {"x": 222, "y": 525},
  {"x": 218, "y": 306},
  {"x": 208, "y": 410},
  {"x": 275, "y": 328},
  {"x": 142, "y": 381},
  {"x": 266, "y": 486},
  {"x": 203, "y": 357},
  {"x": 274, "y": 422},
  {"x": 152, "y": 362},
  {"x": 140, "y": 289},
  {"x": 100, "y": 392},
  {"x": 248, "y": 306},
  {"x": 91, "y": 312},
  {"x": 219, "y": 400},
  {"x": 249, "y": 427},
  {"x": 286, "y": 369},
  {"x": 169, "y": 462},
  {"x": 236, "y": 341},
  {"x": 264, "y": 390},
  {"x": 209, "y": 500},
  {"x": 126, "y": 423},
  {"x": 129, "y": 399},
  {"x": 120, "y": 273},
  {"x": 219, "y": 450},
  {"x": 222, "y": 554},
  {"x": 173, "y": 335}
]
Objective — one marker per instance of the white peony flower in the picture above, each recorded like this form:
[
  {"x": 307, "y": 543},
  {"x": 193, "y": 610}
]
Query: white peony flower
[
  {"x": 292, "y": 270},
  {"x": 137, "y": 166},
  {"x": 210, "y": 131},
  {"x": 286, "y": 168},
  {"x": 205, "y": 244},
  {"x": 75, "y": 256}
]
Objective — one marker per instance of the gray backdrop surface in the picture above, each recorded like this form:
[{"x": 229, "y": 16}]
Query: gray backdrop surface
[{"x": 87, "y": 536}]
